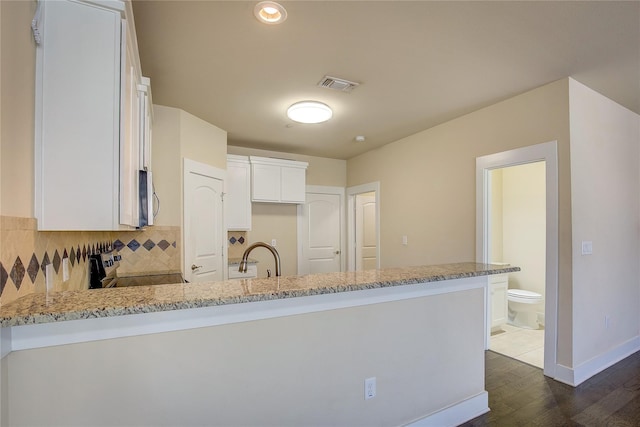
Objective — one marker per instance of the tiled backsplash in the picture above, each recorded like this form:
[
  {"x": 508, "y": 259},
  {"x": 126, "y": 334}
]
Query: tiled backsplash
[
  {"x": 25, "y": 253},
  {"x": 237, "y": 243}
]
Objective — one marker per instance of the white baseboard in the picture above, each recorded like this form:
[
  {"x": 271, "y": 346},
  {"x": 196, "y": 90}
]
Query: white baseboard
[
  {"x": 457, "y": 414},
  {"x": 576, "y": 376}
]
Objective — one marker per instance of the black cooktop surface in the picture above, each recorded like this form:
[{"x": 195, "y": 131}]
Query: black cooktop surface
[{"x": 151, "y": 279}]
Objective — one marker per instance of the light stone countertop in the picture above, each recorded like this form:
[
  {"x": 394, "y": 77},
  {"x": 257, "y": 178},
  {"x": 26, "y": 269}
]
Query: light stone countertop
[{"x": 86, "y": 304}]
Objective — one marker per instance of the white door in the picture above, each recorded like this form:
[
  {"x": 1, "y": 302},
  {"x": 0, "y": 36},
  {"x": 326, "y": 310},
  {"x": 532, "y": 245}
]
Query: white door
[
  {"x": 321, "y": 232},
  {"x": 366, "y": 238},
  {"x": 203, "y": 223}
]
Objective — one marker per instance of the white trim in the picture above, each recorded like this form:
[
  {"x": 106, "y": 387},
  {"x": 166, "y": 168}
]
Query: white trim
[
  {"x": 5, "y": 342},
  {"x": 351, "y": 193},
  {"x": 323, "y": 189},
  {"x": 191, "y": 166},
  {"x": 576, "y": 376},
  {"x": 85, "y": 330},
  {"x": 547, "y": 152},
  {"x": 456, "y": 414}
]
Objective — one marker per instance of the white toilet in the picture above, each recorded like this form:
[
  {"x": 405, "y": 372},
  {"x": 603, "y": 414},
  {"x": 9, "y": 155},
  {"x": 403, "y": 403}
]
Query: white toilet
[{"x": 524, "y": 307}]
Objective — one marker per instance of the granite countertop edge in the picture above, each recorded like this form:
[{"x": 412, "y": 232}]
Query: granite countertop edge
[{"x": 48, "y": 313}]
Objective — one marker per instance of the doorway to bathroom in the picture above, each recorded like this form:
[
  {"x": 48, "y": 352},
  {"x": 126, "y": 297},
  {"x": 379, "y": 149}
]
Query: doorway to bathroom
[
  {"x": 516, "y": 232},
  {"x": 363, "y": 229},
  {"x": 517, "y": 223}
]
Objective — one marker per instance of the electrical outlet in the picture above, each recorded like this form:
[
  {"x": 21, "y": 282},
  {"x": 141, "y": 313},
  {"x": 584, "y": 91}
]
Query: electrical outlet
[
  {"x": 273, "y": 242},
  {"x": 405, "y": 241},
  {"x": 369, "y": 388},
  {"x": 48, "y": 276},
  {"x": 65, "y": 269}
]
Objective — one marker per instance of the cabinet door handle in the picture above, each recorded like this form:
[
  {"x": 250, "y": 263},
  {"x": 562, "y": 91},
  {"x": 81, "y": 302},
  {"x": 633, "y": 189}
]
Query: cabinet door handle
[{"x": 195, "y": 267}]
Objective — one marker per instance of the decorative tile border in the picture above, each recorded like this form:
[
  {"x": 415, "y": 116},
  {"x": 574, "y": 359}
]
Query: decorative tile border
[
  {"x": 26, "y": 253},
  {"x": 18, "y": 271}
]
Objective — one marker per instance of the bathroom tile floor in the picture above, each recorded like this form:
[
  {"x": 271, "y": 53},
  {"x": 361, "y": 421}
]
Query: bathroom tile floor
[{"x": 526, "y": 345}]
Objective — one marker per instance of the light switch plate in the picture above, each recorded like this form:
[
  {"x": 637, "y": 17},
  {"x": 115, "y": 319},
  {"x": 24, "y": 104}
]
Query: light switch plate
[{"x": 587, "y": 248}]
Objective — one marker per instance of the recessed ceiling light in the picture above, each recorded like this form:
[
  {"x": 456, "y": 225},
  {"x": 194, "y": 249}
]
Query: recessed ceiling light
[
  {"x": 309, "y": 112},
  {"x": 270, "y": 12}
]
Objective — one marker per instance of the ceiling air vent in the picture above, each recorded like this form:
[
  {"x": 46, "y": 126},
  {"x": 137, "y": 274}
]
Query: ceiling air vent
[{"x": 337, "y": 84}]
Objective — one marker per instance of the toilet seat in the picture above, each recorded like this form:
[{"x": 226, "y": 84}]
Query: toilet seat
[{"x": 524, "y": 296}]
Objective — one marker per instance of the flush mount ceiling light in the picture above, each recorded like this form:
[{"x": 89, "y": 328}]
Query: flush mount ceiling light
[
  {"x": 270, "y": 12},
  {"x": 309, "y": 112}
]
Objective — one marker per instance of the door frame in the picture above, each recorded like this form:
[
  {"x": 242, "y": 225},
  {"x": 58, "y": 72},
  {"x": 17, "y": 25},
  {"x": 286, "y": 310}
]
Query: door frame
[
  {"x": 547, "y": 152},
  {"x": 323, "y": 189},
  {"x": 192, "y": 166},
  {"x": 352, "y": 192}
]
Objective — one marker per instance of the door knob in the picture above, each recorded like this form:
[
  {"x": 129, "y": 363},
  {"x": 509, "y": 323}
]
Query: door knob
[
  {"x": 337, "y": 252},
  {"x": 195, "y": 267}
]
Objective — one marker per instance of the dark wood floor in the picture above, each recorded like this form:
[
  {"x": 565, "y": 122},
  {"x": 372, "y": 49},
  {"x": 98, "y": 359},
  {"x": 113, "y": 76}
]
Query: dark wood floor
[{"x": 519, "y": 395}]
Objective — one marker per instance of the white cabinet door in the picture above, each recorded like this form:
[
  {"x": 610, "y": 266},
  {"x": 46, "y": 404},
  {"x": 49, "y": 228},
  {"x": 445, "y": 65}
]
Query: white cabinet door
[
  {"x": 498, "y": 287},
  {"x": 238, "y": 198},
  {"x": 235, "y": 274},
  {"x": 277, "y": 180},
  {"x": 265, "y": 183},
  {"x": 292, "y": 181},
  {"x": 77, "y": 117}
]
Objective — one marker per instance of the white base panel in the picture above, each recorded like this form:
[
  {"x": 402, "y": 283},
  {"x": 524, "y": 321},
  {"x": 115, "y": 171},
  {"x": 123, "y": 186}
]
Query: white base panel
[
  {"x": 576, "y": 376},
  {"x": 456, "y": 414}
]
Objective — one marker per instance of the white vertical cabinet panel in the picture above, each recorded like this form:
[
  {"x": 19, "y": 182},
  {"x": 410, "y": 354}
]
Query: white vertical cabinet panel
[
  {"x": 145, "y": 117},
  {"x": 238, "y": 195},
  {"x": 130, "y": 135},
  {"x": 77, "y": 117},
  {"x": 88, "y": 119}
]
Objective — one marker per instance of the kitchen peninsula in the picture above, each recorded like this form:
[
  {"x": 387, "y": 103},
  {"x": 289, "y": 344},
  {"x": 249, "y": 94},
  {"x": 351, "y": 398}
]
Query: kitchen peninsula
[{"x": 285, "y": 350}]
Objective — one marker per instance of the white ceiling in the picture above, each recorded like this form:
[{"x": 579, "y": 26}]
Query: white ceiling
[{"x": 420, "y": 63}]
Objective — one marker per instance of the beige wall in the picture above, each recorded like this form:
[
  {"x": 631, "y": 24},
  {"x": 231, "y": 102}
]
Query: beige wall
[
  {"x": 177, "y": 135},
  {"x": 291, "y": 371},
  {"x": 165, "y": 161},
  {"x": 279, "y": 221},
  {"x": 524, "y": 225},
  {"x": 605, "y": 188},
  {"x": 4, "y": 408},
  {"x": 17, "y": 111},
  {"x": 202, "y": 141},
  {"x": 427, "y": 184}
]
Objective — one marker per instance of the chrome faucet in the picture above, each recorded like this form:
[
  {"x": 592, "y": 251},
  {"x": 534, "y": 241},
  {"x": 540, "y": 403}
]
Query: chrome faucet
[{"x": 245, "y": 257}]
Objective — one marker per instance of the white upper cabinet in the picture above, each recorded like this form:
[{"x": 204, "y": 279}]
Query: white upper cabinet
[
  {"x": 277, "y": 180},
  {"x": 87, "y": 136},
  {"x": 237, "y": 199}
]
